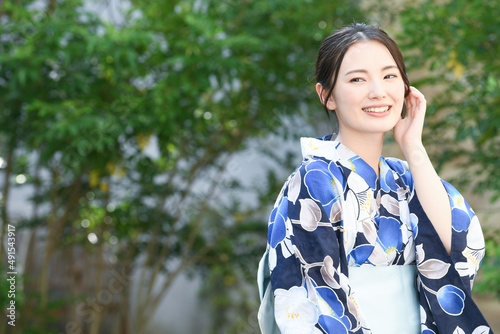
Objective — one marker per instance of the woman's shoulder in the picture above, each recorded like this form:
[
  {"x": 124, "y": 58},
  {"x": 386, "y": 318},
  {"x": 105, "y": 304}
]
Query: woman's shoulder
[
  {"x": 397, "y": 165},
  {"x": 400, "y": 167},
  {"x": 312, "y": 163},
  {"x": 313, "y": 168}
]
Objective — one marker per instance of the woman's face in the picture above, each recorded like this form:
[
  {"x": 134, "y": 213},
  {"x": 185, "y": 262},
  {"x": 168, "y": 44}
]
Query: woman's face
[{"x": 369, "y": 93}]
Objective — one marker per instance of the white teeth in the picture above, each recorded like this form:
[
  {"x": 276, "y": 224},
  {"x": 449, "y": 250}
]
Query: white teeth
[{"x": 381, "y": 109}]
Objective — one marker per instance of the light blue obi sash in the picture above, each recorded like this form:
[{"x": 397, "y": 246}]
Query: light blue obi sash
[{"x": 387, "y": 297}]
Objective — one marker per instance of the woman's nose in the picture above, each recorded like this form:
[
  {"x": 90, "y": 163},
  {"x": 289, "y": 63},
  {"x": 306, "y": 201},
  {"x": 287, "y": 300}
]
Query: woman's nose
[{"x": 377, "y": 90}]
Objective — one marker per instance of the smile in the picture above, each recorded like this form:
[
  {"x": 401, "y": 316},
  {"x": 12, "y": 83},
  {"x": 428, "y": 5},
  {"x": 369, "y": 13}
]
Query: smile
[{"x": 377, "y": 110}]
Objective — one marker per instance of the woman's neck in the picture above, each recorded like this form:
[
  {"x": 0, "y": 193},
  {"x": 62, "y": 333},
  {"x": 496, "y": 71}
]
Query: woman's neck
[{"x": 367, "y": 146}]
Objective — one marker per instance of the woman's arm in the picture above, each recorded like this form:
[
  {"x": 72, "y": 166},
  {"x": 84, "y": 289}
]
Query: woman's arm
[{"x": 430, "y": 190}]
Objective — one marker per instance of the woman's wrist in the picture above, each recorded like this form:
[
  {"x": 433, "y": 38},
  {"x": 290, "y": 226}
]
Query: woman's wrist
[{"x": 415, "y": 153}]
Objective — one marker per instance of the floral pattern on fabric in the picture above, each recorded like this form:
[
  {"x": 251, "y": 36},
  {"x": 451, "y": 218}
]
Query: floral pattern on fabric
[{"x": 334, "y": 213}]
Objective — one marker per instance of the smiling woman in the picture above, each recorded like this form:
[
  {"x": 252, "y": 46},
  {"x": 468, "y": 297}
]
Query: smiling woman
[{"x": 351, "y": 231}]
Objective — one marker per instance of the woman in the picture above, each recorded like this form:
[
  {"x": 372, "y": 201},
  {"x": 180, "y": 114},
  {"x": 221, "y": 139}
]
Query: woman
[{"x": 359, "y": 243}]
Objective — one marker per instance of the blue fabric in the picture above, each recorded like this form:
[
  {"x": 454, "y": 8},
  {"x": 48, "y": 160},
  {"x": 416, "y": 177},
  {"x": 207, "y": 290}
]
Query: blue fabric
[{"x": 333, "y": 213}]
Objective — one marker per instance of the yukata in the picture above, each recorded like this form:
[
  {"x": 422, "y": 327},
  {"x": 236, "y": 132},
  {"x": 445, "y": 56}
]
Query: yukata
[{"x": 333, "y": 213}]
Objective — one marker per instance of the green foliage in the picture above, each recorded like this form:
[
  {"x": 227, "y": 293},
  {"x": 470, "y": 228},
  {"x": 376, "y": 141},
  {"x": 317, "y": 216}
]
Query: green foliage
[
  {"x": 458, "y": 42},
  {"x": 489, "y": 281},
  {"x": 127, "y": 134}
]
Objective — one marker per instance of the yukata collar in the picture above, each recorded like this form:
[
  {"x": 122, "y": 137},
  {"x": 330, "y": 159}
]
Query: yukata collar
[{"x": 340, "y": 154}]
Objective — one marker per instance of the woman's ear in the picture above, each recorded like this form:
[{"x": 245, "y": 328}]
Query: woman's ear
[{"x": 322, "y": 93}]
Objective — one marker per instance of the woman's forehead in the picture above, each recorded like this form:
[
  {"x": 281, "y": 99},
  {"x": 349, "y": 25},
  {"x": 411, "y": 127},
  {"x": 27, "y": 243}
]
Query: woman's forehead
[{"x": 367, "y": 54}]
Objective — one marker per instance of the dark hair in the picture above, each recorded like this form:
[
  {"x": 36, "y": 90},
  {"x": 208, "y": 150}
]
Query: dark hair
[{"x": 333, "y": 49}]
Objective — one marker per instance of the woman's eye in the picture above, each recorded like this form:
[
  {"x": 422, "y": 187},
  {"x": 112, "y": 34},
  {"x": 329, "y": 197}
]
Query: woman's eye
[
  {"x": 390, "y": 76},
  {"x": 356, "y": 80}
]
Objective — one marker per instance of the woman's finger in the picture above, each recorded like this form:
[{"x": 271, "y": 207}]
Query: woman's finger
[{"x": 418, "y": 102}]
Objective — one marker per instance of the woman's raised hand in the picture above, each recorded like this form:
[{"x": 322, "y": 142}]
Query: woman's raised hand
[{"x": 408, "y": 131}]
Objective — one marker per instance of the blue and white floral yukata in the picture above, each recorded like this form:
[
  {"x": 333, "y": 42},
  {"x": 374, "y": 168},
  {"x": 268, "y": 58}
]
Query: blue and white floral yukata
[{"x": 332, "y": 214}]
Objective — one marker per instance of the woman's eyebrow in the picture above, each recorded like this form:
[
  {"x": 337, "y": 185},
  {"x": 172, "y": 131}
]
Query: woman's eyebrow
[{"x": 385, "y": 68}]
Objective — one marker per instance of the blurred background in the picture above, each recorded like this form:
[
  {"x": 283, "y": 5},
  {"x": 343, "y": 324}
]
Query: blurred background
[{"x": 143, "y": 144}]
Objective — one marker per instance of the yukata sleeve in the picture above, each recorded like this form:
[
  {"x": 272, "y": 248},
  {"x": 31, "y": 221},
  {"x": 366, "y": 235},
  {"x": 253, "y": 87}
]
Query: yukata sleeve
[
  {"x": 308, "y": 278},
  {"x": 445, "y": 280}
]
